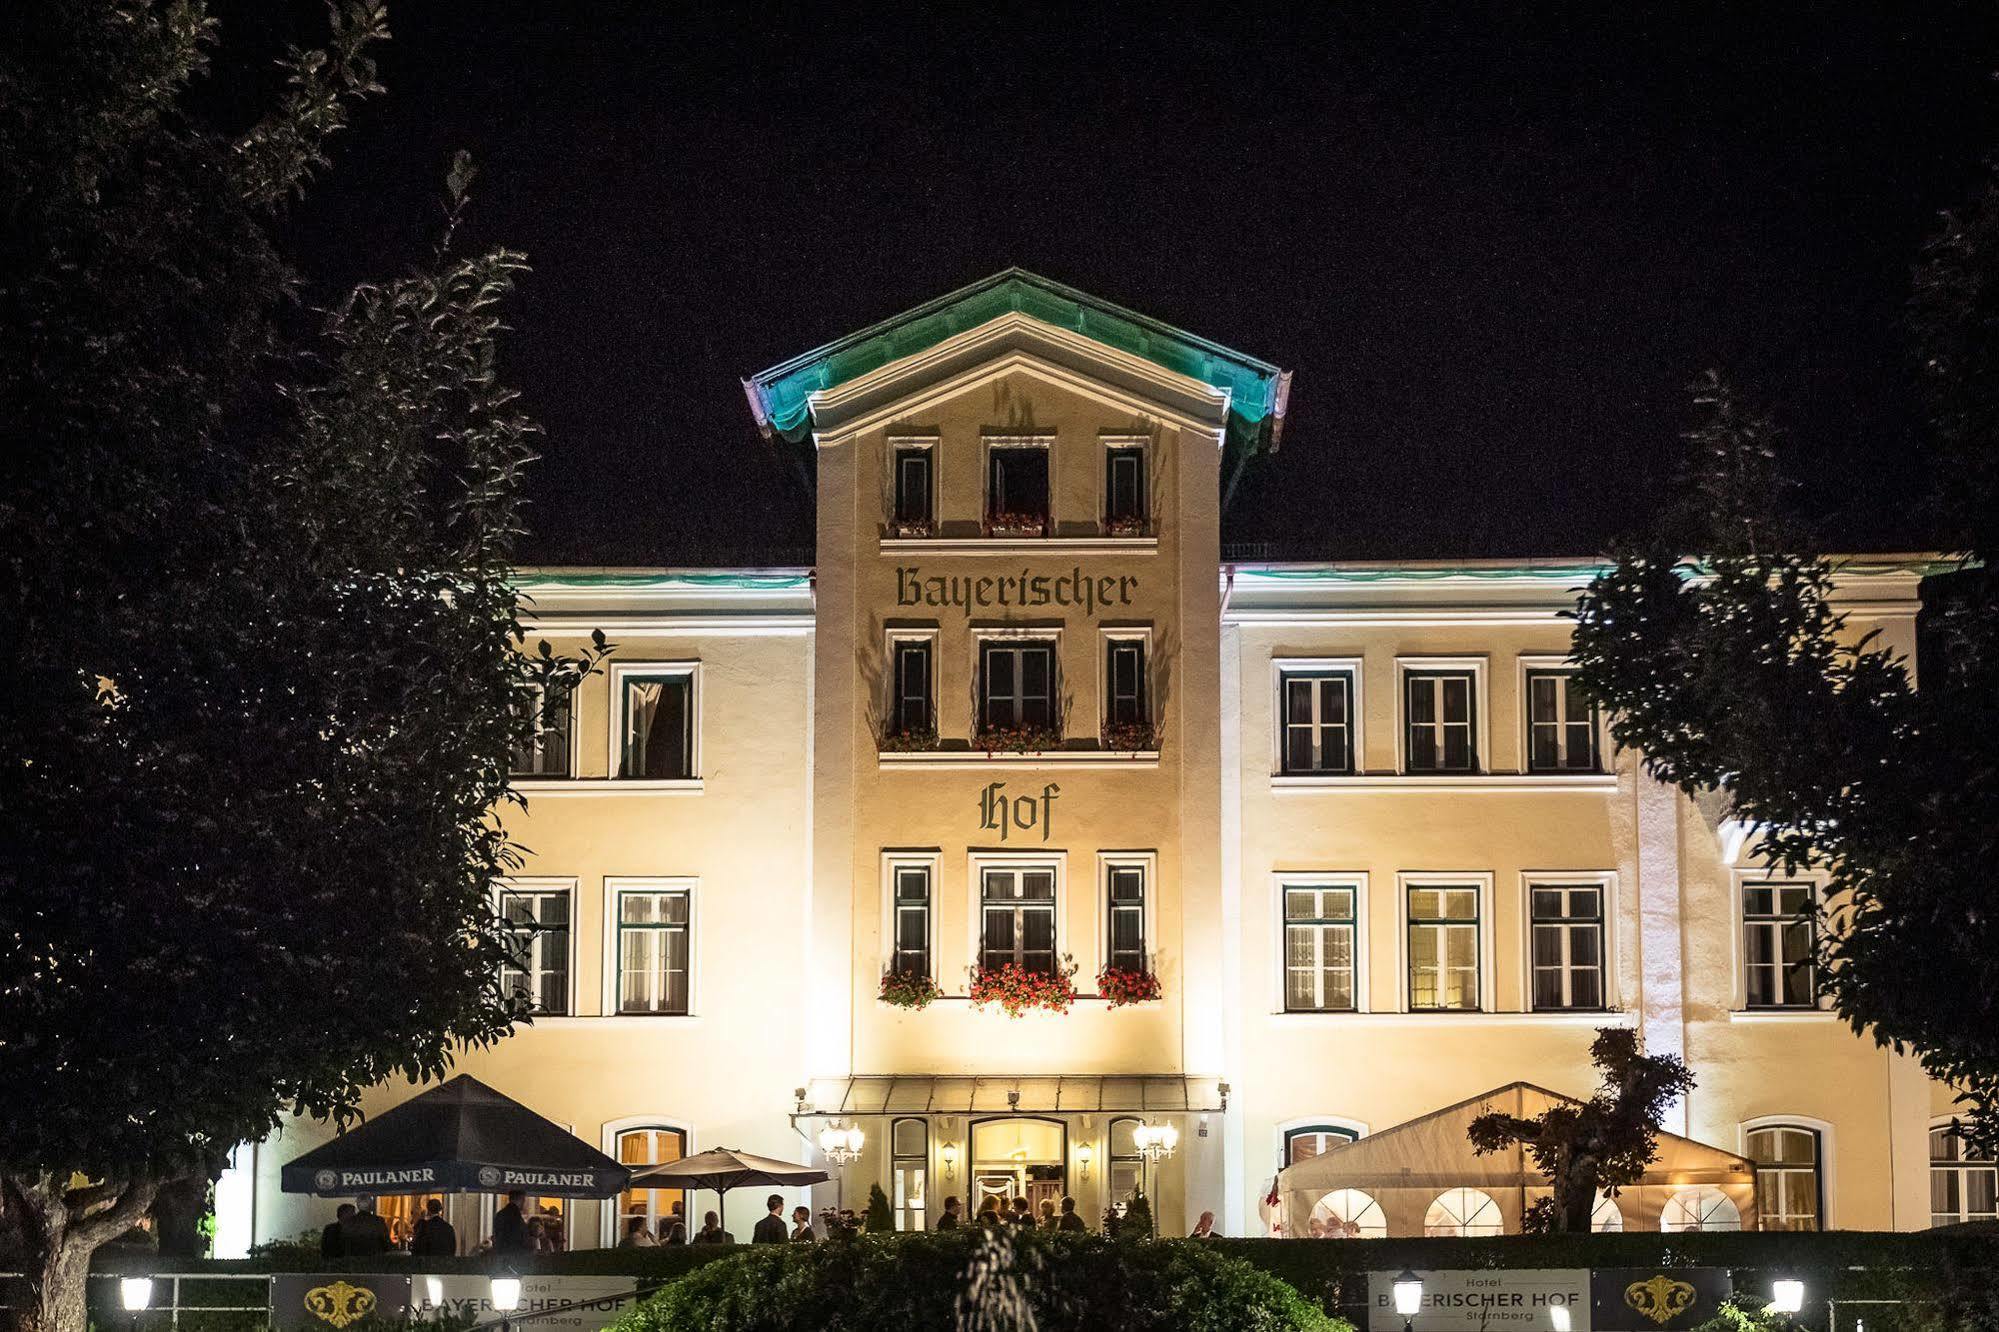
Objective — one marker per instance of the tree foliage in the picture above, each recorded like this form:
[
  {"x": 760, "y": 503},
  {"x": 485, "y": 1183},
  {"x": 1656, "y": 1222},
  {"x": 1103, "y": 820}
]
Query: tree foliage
[
  {"x": 1602, "y": 1144},
  {"x": 262, "y": 657},
  {"x": 1719, "y": 648}
]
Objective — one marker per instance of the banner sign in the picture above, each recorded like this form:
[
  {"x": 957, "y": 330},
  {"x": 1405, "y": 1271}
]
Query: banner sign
[
  {"x": 335, "y": 1299},
  {"x": 451, "y": 1177},
  {"x": 313, "y": 1303},
  {"x": 1514, "y": 1298},
  {"x": 1092, "y": 594},
  {"x": 1652, "y": 1299}
]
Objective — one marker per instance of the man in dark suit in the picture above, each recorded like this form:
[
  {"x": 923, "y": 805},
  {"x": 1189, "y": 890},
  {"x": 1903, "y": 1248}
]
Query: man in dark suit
[
  {"x": 433, "y": 1236},
  {"x": 772, "y": 1230},
  {"x": 510, "y": 1225},
  {"x": 329, "y": 1238},
  {"x": 950, "y": 1220},
  {"x": 363, "y": 1234}
]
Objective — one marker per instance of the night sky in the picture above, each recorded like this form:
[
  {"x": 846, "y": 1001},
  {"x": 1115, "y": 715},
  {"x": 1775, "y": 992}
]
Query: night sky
[{"x": 1493, "y": 250}]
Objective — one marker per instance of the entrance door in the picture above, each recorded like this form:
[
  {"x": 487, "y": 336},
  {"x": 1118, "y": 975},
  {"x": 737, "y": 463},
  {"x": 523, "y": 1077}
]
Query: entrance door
[{"x": 1018, "y": 1157}]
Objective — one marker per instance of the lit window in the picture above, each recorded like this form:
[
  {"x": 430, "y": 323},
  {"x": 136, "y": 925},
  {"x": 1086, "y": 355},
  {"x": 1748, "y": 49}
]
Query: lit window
[
  {"x": 1127, "y": 1167},
  {"x": 1347, "y": 1214},
  {"x": 1463, "y": 1213},
  {"x": 653, "y": 951},
  {"x": 1018, "y": 907},
  {"x": 1016, "y": 685},
  {"x": 911, "y": 956},
  {"x": 913, "y": 512},
  {"x": 657, "y": 1209},
  {"x": 1561, "y": 726},
  {"x": 1302, "y": 1144},
  {"x": 1124, "y": 682},
  {"x": 1443, "y": 949},
  {"x": 1124, "y": 490},
  {"x": 1788, "y": 1187},
  {"x": 1440, "y": 716},
  {"x": 909, "y": 1158},
  {"x": 912, "y": 709},
  {"x": 538, "y": 929},
  {"x": 1317, "y": 721},
  {"x": 1700, "y": 1207},
  {"x": 1963, "y": 1186},
  {"x": 658, "y": 726},
  {"x": 547, "y": 753},
  {"x": 1319, "y": 937},
  {"x": 1125, "y": 895},
  {"x": 1568, "y": 946},
  {"x": 1017, "y": 489},
  {"x": 1779, "y": 945}
]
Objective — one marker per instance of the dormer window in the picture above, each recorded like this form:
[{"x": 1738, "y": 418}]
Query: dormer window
[
  {"x": 914, "y": 513},
  {"x": 1124, "y": 491},
  {"x": 1017, "y": 487}
]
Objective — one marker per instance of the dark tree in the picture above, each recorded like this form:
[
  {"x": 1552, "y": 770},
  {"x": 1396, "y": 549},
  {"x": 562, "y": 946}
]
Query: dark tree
[
  {"x": 261, "y": 660},
  {"x": 1599, "y": 1145},
  {"x": 1718, "y": 652}
]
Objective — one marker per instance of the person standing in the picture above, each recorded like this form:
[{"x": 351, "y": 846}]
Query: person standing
[
  {"x": 433, "y": 1236},
  {"x": 510, "y": 1226},
  {"x": 1069, "y": 1222},
  {"x": 949, "y": 1221},
  {"x": 771, "y": 1230},
  {"x": 330, "y": 1245},
  {"x": 363, "y": 1234},
  {"x": 801, "y": 1225}
]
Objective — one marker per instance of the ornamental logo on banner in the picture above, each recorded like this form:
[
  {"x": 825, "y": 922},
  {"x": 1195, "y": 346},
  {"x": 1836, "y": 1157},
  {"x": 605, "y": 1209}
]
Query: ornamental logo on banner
[
  {"x": 325, "y": 1179},
  {"x": 1650, "y": 1299},
  {"x": 489, "y": 1177}
]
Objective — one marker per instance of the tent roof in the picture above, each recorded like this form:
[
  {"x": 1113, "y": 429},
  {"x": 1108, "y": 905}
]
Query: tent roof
[
  {"x": 780, "y": 397},
  {"x": 1433, "y": 1151}
]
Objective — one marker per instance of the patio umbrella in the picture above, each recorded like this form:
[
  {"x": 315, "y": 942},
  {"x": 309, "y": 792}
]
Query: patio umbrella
[
  {"x": 463, "y": 1137},
  {"x": 722, "y": 1169}
]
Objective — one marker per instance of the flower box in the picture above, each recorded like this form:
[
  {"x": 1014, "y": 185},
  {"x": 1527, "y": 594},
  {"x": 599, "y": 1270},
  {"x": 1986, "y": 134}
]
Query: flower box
[
  {"x": 908, "y": 989},
  {"x": 1016, "y": 524},
  {"x": 1016, "y": 989},
  {"x": 1131, "y": 737},
  {"x": 908, "y": 739},
  {"x": 911, "y": 529},
  {"x": 1017, "y": 739},
  {"x": 1127, "y": 527},
  {"x": 1124, "y": 985}
]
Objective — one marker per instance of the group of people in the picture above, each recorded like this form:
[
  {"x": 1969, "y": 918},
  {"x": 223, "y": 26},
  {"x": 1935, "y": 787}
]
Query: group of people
[
  {"x": 359, "y": 1231},
  {"x": 772, "y": 1229}
]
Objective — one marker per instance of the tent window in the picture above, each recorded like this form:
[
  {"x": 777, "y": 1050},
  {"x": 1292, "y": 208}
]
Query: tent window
[
  {"x": 1700, "y": 1207},
  {"x": 1788, "y": 1185},
  {"x": 657, "y": 1209},
  {"x": 1348, "y": 1214},
  {"x": 1464, "y": 1213}
]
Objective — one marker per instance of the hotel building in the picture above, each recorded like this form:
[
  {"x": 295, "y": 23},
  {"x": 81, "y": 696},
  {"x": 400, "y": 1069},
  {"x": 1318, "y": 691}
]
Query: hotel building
[{"x": 1377, "y": 855}]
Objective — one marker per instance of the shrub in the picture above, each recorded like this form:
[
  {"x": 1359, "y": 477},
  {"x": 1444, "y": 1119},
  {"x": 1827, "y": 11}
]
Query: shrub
[
  {"x": 1072, "y": 1283},
  {"x": 880, "y": 1219},
  {"x": 1136, "y": 1224}
]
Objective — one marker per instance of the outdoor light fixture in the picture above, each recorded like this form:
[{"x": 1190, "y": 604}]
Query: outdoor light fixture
[
  {"x": 1787, "y": 1296},
  {"x": 949, "y": 1155},
  {"x": 1408, "y": 1297},
  {"x": 842, "y": 1145},
  {"x": 136, "y": 1294},
  {"x": 506, "y": 1293},
  {"x": 1155, "y": 1142},
  {"x": 1084, "y": 1155},
  {"x": 1558, "y": 1314}
]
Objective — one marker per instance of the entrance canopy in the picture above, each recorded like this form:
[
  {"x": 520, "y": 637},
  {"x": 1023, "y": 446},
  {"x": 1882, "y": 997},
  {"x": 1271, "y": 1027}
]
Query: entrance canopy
[
  {"x": 1423, "y": 1177},
  {"x": 463, "y": 1137},
  {"x": 1028, "y": 1094}
]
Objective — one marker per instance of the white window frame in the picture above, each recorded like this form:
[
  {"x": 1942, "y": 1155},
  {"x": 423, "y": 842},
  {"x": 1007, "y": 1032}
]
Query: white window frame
[
  {"x": 1606, "y": 881},
  {"x": 613, "y": 963},
  {"x": 1357, "y": 881},
  {"x": 1282, "y": 1131},
  {"x": 1356, "y": 701},
  {"x": 615, "y": 756},
  {"x": 1106, "y": 442},
  {"x": 978, "y": 862},
  {"x": 1481, "y": 728},
  {"x": 893, "y": 444},
  {"x": 995, "y": 633},
  {"x": 1013, "y": 439},
  {"x": 1146, "y": 862},
  {"x": 608, "y": 1210},
  {"x": 1739, "y": 952},
  {"x": 931, "y": 1198},
  {"x": 1827, "y": 1157},
  {"x": 912, "y": 634},
  {"x": 1930, "y": 1166},
  {"x": 549, "y": 884},
  {"x": 573, "y": 760},
  {"x": 1482, "y": 881},
  {"x": 1599, "y": 733},
  {"x": 1107, "y": 635},
  {"x": 930, "y": 861}
]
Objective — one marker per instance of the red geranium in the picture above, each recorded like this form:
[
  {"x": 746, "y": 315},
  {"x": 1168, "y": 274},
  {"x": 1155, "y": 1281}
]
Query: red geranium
[
  {"x": 1016, "y": 989},
  {"x": 1125, "y": 985}
]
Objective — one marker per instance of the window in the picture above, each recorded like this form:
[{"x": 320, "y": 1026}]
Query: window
[
  {"x": 1464, "y": 1213},
  {"x": 658, "y": 1208},
  {"x": 913, "y": 489},
  {"x": 658, "y": 725},
  {"x": 1124, "y": 682},
  {"x": 547, "y": 754},
  {"x": 1018, "y": 918},
  {"x": 1016, "y": 685},
  {"x": 1779, "y": 945},
  {"x": 1124, "y": 490},
  {"x": 1561, "y": 727},
  {"x": 1302, "y": 1144},
  {"x": 1017, "y": 488},
  {"x": 1347, "y": 1214},
  {"x": 1788, "y": 1189},
  {"x": 1443, "y": 949},
  {"x": 1318, "y": 721},
  {"x": 1127, "y": 1167},
  {"x": 909, "y": 1162},
  {"x": 1125, "y": 930},
  {"x": 912, "y": 710},
  {"x": 911, "y": 911},
  {"x": 1963, "y": 1187},
  {"x": 538, "y": 923},
  {"x": 1440, "y": 717},
  {"x": 1319, "y": 940},
  {"x": 1700, "y": 1207},
  {"x": 1606, "y": 1218},
  {"x": 653, "y": 950},
  {"x": 1567, "y": 946}
]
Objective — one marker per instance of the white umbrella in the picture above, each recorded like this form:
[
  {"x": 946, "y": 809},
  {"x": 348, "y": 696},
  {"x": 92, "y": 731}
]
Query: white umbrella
[{"x": 722, "y": 1169}]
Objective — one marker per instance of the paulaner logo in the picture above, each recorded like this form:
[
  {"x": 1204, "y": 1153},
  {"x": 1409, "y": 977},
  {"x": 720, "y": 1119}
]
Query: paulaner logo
[
  {"x": 550, "y": 1179},
  {"x": 1088, "y": 593},
  {"x": 357, "y": 1179}
]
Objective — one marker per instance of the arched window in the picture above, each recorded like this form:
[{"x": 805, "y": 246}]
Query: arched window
[
  {"x": 1127, "y": 1168},
  {"x": 1310, "y": 1140},
  {"x": 1463, "y": 1212},
  {"x": 1348, "y": 1214},
  {"x": 1963, "y": 1187},
  {"x": 1700, "y": 1207},
  {"x": 909, "y": 1170},
  {"x": 1606, "y": 1218},
  {"x": 1789, "y": 1192},
  {"x": 649, "y": 1145}
]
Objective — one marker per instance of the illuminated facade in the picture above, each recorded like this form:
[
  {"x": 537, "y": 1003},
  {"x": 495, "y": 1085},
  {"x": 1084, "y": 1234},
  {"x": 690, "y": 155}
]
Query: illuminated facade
[{"x": 1376, "y": 856}]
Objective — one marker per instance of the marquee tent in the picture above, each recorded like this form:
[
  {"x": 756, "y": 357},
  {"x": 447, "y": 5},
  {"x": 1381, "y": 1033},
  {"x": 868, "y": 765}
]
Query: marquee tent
[{"x": 1423, "y": 1177}]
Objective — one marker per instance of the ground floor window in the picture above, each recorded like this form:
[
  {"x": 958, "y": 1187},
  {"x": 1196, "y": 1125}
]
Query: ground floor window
[
  {"x": 909, "y": 1157},
  {"x": 1788, "y": 1189},
  {"x": 1963, "y": 1186},
  {"x": 1126, "y": 1177},
  {"x": 656, "y": 1209},
  {"x": 1019, "y": 1157}
]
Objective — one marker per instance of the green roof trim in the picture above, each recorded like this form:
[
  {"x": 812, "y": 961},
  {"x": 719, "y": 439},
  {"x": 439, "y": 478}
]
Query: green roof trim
[
  {"x": 733, "y": 580},
  {"x": 1860, "y": 566},
  {"x": 780, "y": 397}
]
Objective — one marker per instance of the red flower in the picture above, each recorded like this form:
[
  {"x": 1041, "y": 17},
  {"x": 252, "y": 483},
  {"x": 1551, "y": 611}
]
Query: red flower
[
  {"x": 1123, "y": 985},
  {"x": 1016, "y": 989}
]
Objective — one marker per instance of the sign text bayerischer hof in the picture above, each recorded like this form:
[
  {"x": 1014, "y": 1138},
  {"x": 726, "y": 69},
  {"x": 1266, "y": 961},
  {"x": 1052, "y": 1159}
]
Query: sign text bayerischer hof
[
  {"x": 1517, "y": 1298},
  {"x": 1089, "y": 593}
]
